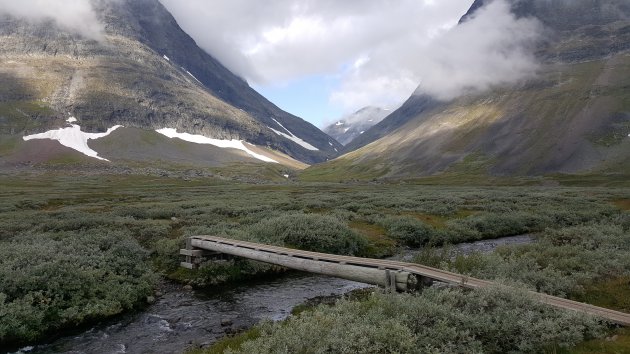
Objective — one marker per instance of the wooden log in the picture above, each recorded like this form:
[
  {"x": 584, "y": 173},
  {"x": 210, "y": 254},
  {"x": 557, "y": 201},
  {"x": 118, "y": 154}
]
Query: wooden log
[{"x": 399, "y": 280}]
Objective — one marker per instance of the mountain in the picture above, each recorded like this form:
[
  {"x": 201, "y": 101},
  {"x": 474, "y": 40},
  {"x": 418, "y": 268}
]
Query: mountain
[
  {"x": 573, "y": 117},
  {"x": 415, "y": 105},
  {"x": 353, "y": 125},
  {"x": 147, "y": 74}
]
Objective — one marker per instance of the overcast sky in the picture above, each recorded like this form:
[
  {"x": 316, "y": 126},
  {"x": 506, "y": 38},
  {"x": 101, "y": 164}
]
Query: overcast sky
[{"x": 321, "y": 59}]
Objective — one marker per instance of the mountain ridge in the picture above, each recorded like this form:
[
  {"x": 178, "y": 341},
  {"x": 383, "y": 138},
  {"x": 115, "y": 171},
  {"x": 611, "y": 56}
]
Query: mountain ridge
[
  {"x": 146, "y": 73},
  {"x": 573, "y": 117},
  {"x": 351, "y": 126}
]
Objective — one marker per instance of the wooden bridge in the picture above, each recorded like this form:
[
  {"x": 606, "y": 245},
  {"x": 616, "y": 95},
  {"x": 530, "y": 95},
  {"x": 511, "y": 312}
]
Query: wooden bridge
[{"x": 393, "y": 275}]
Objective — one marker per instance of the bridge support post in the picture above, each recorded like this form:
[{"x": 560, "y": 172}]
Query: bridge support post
[
  {"x": 390, "y": 281},
  {"x": 193, "y": 256}
]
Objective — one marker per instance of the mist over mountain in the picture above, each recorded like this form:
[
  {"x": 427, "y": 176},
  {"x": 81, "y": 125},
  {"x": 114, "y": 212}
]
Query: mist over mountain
[
  {"x": 570, "y": 116},
  {"x": 353, "y": 125}
]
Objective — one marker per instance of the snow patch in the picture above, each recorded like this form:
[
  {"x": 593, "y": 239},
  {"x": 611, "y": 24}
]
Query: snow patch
[
  {"x": 280, "y": 124},
  {"x": 362, "y": 132},
  {"x": 339, "y": 123},
  {"x": 193, "y": 76},
  {"x": 71, "y": 120},
  {"x": 293, "y": 138},
  {"x": 331, "y": 144},
  {"x": 286, "y": 176},
  {"x": 346, "y": 130},
  {"x": 73, "y": 138},
  {"x": 296, "y": 140},
  {"x": 165, "y": 57},
  {"x": 200, "y": 139}
]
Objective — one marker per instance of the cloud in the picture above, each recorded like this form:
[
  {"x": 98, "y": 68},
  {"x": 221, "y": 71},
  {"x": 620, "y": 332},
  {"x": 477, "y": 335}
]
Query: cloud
[
  {"x": 380, "y": 50},
  {"x": 275, "y": 41},
  {"x": 492, "y": 48},
  {"x": 77, "y": 16}
]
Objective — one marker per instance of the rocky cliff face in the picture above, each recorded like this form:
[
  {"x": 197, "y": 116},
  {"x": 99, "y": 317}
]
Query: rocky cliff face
[
  {"x": 146, "y": 73},
  {"x": 573, "y": 117}
]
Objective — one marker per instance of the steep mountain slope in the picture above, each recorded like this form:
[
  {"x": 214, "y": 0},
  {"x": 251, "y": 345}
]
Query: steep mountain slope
[
  {"x": 353, "y": 125},
  {"x": 146, "y": 73},
  {"x": 573, "y": 117},
  {"x": 414, "y": 106}
]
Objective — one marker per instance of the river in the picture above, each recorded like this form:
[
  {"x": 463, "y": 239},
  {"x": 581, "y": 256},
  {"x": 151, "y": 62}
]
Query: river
[{"x": 181, "y": 318}]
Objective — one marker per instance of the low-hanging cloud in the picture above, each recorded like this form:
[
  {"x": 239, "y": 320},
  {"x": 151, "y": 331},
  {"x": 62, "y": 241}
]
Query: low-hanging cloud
[
  {"x": 276, "y": 41},
  {"x": 491, "y": 48},
  {"x": 380, "y": 51},
  {"x": 77, "y": 16}
]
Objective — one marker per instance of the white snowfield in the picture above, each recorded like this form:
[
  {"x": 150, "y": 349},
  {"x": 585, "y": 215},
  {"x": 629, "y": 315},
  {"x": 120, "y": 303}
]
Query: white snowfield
[
  {"x": 200, "y": 139},
  {"x": 167, "y": 58},
  {"x": 293, "y": 138},
  {"x": 74, "y": 138}
]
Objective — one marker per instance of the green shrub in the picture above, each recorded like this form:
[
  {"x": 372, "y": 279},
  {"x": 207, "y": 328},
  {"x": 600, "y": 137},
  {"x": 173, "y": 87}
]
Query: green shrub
[
  {"x": 410, "y": 232},
  {"x": 311, "y": 232},
  {"x": 496, "y": 320},
  {"x": 50, "y": 283},
  {"x": 483, "y": 226}
]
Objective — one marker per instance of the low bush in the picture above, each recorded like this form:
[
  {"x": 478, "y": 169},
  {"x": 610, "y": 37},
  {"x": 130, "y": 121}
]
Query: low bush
[
  {"x": 487, "y": 225},
  {"x": 495, "y": 320},
  {"x": 49, "y": 283},
  {"x": 411, "y": 232},
  {"x": 311, "y": 232}
]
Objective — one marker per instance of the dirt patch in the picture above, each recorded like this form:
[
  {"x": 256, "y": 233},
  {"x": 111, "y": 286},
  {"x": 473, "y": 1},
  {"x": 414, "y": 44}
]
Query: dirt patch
[
  {"x": 379, "y": 245},
  {"x": 437, "y": 221},
  {"x": 613, "y": 293},
  {"x": 623, "y": 204}
]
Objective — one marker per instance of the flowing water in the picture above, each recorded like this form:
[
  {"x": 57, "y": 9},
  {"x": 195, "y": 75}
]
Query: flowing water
[{"x": 182, "y": 318}]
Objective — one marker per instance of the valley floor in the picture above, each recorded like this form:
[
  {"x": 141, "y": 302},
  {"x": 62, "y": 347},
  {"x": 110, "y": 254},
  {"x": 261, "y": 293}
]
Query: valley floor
[{"x": 75, "y": 250}]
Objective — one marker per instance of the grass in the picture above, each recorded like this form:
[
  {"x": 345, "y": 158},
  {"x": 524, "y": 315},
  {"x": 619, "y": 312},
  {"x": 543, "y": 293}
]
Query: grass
[
  {"x": 439, "y": 221},
  {"x": 344, "y": 169},
  {"x": 623, "y": 204},
  {"x": 152, "y": 215},
  {"x": 612, "y": 293},
  {"x": 617, "y": 342},
  {"x": 379, "y": 245},
  {"x": 18, "y": 116},
  {"x": 232, "y": 343}
]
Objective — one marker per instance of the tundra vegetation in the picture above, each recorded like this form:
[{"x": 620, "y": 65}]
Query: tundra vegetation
[{"x": 74, "y": 250}]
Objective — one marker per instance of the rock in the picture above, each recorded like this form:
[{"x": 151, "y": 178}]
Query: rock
[
  {"x": 150, "y": 299},
  {"x": 158, "y": 294},
  {"x": 226, "y": 322},
  {"x": 173, "y": 219},
  {"x": 188, "y": 287}
]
